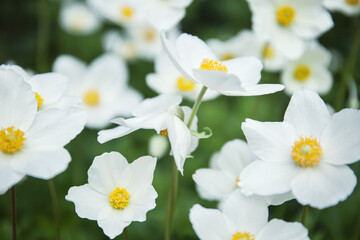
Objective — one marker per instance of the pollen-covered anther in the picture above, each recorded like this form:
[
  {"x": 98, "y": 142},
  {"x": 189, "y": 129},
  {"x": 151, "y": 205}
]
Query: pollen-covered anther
[
  {"x": 164, "y": 133},
  {"x": 285, "y": 15},
  {"x": 185, "y": 84},
  {"x": 307, "y": 152},
  {"x": 127, "y": 11},
  {"x": 353, "y": 2},
  {"x": 11, "y": 140},
  {"x": 39, "y": 100},
  {"x": 302, "y": 72},
  {"x": 119, "y": 198},
  {"x": 237, "y": 180},
  {"x": 243, "y": 236},
  {"x": 91, "y": 97},
  {"x": 212, "y": 65}
]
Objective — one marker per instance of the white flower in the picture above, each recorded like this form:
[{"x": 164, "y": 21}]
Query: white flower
[
  {"x": 76, "y": 18},
  {"x": 163, "y": 114},
  {"x": 311, "y": 71},
  {"x": 121, "y": 45},
  {"x": 348, "y": 7},
  {"x": 287, "y": 24},
  {"x": 222, "y": 178},
  {"x": 31, "y": 142},
  {"x": 167, "y": 79},
  {"x": 235, "y": 77},
  {"x": 306, "y": 154},
  {"x": 103, "y": 87},
  {"x": 158, "y": 146},
  {"x": 117, "y": 194},
  {"x": 243, "y": 218}
]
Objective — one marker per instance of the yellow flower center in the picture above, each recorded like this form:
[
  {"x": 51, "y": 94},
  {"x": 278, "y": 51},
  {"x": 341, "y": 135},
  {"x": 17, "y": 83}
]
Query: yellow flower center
[
  {"x": 307, "y": 152},
  {"x": 11, "y": 140},
  {"x": 91, "y": 97},
  {"x": 119, "y": 198},
  {"x": 237, "y": 180},
  {"x": 227, "y": 56},
  {"x": 353, "y": 2},
  {"x": 164, "y": 133},
  {"x": 302, "y": 72},
  {"x": 285, "y": 15},
  {"x": 149, "y": 34},
  {"x": 268, "y": 51},
  {"x": 243, "y": 236},
  {"x": 185, "y": 84},
  {"x": 127, "y": 11},
  {"x": 212, "y": 65},
  {"x": 39, "y": 100}
]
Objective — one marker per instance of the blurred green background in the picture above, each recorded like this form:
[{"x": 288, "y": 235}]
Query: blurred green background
[{"x": 30, "y": 36}]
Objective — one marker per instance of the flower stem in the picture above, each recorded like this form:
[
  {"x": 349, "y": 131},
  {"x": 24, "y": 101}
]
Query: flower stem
[
  {"x": 13, "y": 212},
  {"x": 55, "y": 207},
  {"x": 196, "y": 105},
  {"x": 304, "y": 212},
  {"x": 171, "y": 201}
]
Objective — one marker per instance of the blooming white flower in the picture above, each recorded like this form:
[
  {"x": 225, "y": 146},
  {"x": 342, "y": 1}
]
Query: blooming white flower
[
  {"x": 235, "y": 77},
  {"x": 311, "y": 71},
  {"x": 348, "y": 7},
  {"x": 287, "y": 24},
  {"x": 103, "y": 87},
  {"x": 167, "y": 79},
  {"x": 76, "y": 18},
  {"x": 222, "y": 178},
  {"x": 117, "y": 194},
  {"x": 31, "y": 142},
  {"x": 243, "y": 218},
  {"x": 306, "y": 154},
  {"x": 163, "y": 114},
  {"x": 121, "y": 45}
]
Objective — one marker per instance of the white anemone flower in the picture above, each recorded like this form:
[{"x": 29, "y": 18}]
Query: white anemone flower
[
  {"x": 243, "y": 218},
  {"x": 306, "y": 154},
  {"x": 222, "y": 178},
  {"x": 167, "y": 79},
  {"x": 31, "y": 142},
  {"x": 287, "y": 24},
  {"x": 235, "y": 77},
  {"x": 103, "y": 87},
  {"x": 347, "y": 7},
  {"x": 121, "y": 45},
  {"x": 76, "y": 18},
  {"x": 311, "y": 71},
  {"x": 117, "y": 194},
  {"x": 166, "y": 117}
]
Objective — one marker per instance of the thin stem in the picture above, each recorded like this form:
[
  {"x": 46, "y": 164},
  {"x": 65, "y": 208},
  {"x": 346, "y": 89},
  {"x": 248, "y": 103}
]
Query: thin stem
[
  {"x": 55, "y": 207},
  {"x": 304, "y": 212},
  {"x": 171, "y": 201},
  {"x": 13, "y": 212},
  {"x": 196, "y": 105},
  {"x": 126, "y": 234}
]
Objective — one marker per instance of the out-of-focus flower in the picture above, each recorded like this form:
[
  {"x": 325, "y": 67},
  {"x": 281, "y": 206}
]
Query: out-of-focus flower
[
  {"x": 158, "y": 145},
  {"x": 309, "y": 152},
  {"x": 310, "y": 71},
  {"x": 77, "y": 18},
  {"x": 121, "y": 45},
  {"x": 103, "y": 87},
  {"x": 235, "y": 77},
  {"x": 167, "y": 79},
  {"x": 348, "y": 7},
  {"x": 117, "y": 194},
  {"x": 31, "y": 142},
  {"x": 243, "y": 218},
  {"x": 165, "y": 116},
  {"x": 287, "y": 24}
]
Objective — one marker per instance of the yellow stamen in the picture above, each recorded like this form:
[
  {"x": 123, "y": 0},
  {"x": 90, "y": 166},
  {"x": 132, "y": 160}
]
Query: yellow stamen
[
  {"x": 285, "y": 15},
  {"x": 39, "y": 100},
  {"x": 91, "y": 97},
  {"x": 307, "y": 152},
  {"x": 11, "y": 140},
  {"x": 227, "y": 56},
  {"x": 237, "y": 180},
  {"x": 243, "y": 236},
  {"x": 127, "y": 11},
  {"x": 149, "y": 34},
  {"x": 302, "y": 72},
  {"x": 164, "y": 132},
  {"x": 185, "y": 84},
  {"x": 212, "y": 65},
  {"x": 268, "y": 51},
  {"x": 353, "y": 2},
  {"x": 119, "y": 198}
]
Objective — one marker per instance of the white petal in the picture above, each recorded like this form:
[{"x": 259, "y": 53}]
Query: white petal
[
  {"x": 278, "y": 199},
  {"x": 256, "y": 90},
  {"x": 140, "y": 203},
  {"x": 8, "y": 176},
  {"x": 281, "y": 230},
  {"x": 247, "y": 69},
  {"x": 142, "y": 173},
  {"x": 288, "y": 43},
  {"x": 114, "y": 224},
  {"x": 70, "y": 67},
  {"x": 110, "y": 134},
  {"x": 324, "y": 185},
  {"x": 165, "y": 18},
  {"x": 157, "y": 104}
]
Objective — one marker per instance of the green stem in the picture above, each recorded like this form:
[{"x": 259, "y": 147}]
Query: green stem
[
  {"x": 304, "y": 213},
  {"x": 196, "y": 105},
  {"x": 55, "y": 207},
  {"x": 13, "y": 212}
]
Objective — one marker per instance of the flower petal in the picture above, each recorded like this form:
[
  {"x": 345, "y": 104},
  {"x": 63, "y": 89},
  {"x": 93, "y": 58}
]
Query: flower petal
[
  {"x": 247, "y": 69},
  {"x": 156, "y": 104},
  {"x": 281, "y": 230},
  {"x": 142, "y": 173},
  {"x": 8, "y": 176},
  {"x": 114, "y": 224}
]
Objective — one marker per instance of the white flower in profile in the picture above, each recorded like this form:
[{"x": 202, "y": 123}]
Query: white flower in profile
[
  {"x": 235, "y": 77},
  {"x": 311, "y": 71},
  {"x": 76, "y": 18},
  {"x": 117, "y": 194},
  {"x": 120, "y": 44},
  {"x": 309, "y": 152},
  {"x": 287, "y": 24},
  {"x": 31, "y": 142},
  {"x": 348, "y": 7},
  {"x": 103, "y": 87},
  {"x": 222, "y": 178},
  {"x": 243, "y": 218},
  {"x": 166, "y": 117},
  {"x": 167, "y": 79}
]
